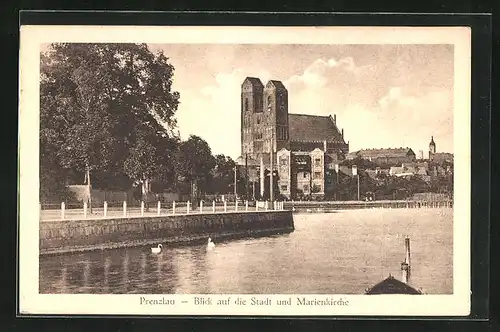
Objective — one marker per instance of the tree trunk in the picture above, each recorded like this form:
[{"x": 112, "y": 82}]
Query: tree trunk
[
  {"x": 89, "y": 186},
  {"x": 145, "y": 193},
  {"x": 194, "y": 192}
]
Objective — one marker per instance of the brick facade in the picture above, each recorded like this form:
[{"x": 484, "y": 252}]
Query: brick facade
[{"x": 304, "y": 146}]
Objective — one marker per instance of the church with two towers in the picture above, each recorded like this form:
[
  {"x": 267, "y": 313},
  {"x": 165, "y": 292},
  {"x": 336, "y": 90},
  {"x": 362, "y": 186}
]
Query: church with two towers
[{"x": 299, "y": 148}]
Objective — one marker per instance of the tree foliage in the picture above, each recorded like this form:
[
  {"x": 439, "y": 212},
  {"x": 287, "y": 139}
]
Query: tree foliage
[
  {"x": 222, "y": 174},
  {"x": 109, "y": 108},
  {"x": 194, "y": 163}
]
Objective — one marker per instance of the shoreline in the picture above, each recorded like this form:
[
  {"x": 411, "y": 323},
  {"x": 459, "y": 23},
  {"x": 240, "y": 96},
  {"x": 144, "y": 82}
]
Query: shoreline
[{"x": 173, "y": 242}]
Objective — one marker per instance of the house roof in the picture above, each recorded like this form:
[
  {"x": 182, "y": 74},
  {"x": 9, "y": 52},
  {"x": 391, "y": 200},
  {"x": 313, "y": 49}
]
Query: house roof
[
  {"x": 390, "y": 285},
  {"x": 240, "y": 161},
  {"x": 378, "y": 153},
  {"x": 442, "y": 156},
  {"x": 313, "y": 128},
  {"x": 346, "y": 170}
]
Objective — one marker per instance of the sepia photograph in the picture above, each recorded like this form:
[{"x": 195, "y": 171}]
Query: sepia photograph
[{"x": 245, "y": 171}]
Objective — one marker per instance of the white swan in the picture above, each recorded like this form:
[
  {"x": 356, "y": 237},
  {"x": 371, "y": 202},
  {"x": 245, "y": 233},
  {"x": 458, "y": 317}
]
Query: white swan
[
  {"x": 293, "y": 208},
  {"x": 309, "y": 210},
  {"x": 156, "y": 250},
  {"x": 210, "y": 244}
]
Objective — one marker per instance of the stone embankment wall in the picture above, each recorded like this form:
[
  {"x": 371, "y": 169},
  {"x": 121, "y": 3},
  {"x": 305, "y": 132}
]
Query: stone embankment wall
[{"x": 61, "y": 236}]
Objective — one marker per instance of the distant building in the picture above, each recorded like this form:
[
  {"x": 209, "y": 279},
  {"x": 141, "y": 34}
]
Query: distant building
[
  {"x": 384, "y": 157},
  {"x": 304, "y": 148},
  {"x": 441, "y": 157},
  {"x": 432, "y": 148},
  {"x": 438, "y": 157}
]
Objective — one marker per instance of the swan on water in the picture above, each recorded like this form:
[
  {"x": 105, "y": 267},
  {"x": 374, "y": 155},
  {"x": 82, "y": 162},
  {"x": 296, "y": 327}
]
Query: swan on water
[
  {"x": 210, "y": 244},
  {"x": 293, "y": 208},
  {"x": 156, "y": 250},
  {"x": 309, "y": 210}
]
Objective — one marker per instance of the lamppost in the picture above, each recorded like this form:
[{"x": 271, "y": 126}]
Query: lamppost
[
  {"x": 355, "y": 173},
  {"x": 336, "y": 180},
  {"x": 235, "y": 191}
]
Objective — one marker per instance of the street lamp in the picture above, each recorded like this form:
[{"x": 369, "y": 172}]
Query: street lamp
[
  {"x": 235, "y": 192},
  {"x": 355, "y": 173}
]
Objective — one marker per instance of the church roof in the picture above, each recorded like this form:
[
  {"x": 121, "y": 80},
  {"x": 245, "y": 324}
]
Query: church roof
[
  {"x": 313, "y": 128},
  {"x": 278, "y": 84},
  {"x": 254, "y": 81},
  {"x": 390, "y": 285}
]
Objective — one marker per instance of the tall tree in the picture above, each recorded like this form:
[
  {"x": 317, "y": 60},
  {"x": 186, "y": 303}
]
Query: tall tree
[
  {"x": 101, "y": 104},
  {"x": 194, "y": 164},
  {"x": 223, "y": 174}
]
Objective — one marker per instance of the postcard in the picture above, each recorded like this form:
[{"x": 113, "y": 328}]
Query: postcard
[{"x": 230, "y": 170}]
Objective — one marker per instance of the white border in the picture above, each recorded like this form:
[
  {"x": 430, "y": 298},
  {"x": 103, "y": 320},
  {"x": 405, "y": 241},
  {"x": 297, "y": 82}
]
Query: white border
[{"x": 30, "y": 302}]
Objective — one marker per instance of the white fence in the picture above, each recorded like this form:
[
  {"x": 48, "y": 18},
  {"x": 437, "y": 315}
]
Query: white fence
[{"x": 159, "y": 209}]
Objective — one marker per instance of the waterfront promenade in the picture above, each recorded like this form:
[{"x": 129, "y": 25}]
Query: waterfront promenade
[
  {"x": 73, "y": 212},
  {"x": 76, "y": 230},
  {"x": 312, "y": 206}
]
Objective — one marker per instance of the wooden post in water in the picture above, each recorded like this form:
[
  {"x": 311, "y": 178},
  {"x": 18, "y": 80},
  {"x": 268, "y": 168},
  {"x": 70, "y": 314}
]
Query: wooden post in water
[
  {"x": 256, "y": 206},
  {"x": 63, "y": 207},
  {"x": 213, "y": 206},
  {"x": 124, "y": 208},
  {"x": 265, "y": 206},
  {"x": 236, "y": 205},
  {"x": 406, "y": 265},
  {"x": 173, "y": 207},
  {"x": 84, "y": 210},
  {"x": 159, "y": 207},
  {"x": 225, "y": 206},
  {"x": 201, "y": 206},
  {"x": 105, "y": 208},
  {"x": 187, "y": 207},
  {"x": 142, "y": 208},
  {"x": 246, "y": 206}
]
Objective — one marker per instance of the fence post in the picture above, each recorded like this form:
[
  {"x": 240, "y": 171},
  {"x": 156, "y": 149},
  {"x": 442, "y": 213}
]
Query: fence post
[
  {"x": 225, "y": 206},
  {"x": 236, "y": 205},
  {"x": 213, "y": 206},
  {"x": 142, "y": 208},
  {"x": 187, "y": 206},
  {"x": 201, "y": 206},
  {"x": 105, "y": 208},
  {"x": 173, "y": 207},
  {"x": 246, "y": 205},
  {"x": 124, "y": 208},
  {"x": 63, "y": 206},
  {"x": 85, "y": 210},
  {"x": 159, "y": 207}
]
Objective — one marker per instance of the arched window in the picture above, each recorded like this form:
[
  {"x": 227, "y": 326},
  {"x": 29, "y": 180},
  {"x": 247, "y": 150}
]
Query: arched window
[
  {"x": 269, "y": 101},
  {"x": 246, "y": 104}
]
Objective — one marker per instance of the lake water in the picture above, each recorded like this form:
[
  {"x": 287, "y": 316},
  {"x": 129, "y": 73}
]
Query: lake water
[{"x": 332, "y": 253}]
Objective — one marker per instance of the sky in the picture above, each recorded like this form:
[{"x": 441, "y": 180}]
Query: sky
[{"x": 384, "y": 96}]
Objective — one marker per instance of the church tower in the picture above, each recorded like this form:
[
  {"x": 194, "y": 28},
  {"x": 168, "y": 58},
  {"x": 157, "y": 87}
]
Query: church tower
[
  {"x": 432, "y": 148},
  {"x": 251, "y": 117},
  {"x": 276, "y": 135}
]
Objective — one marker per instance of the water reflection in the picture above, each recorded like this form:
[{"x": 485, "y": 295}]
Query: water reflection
[
  {"x": 342, "y": 253},
  {"x": 125, "y": 281}
]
